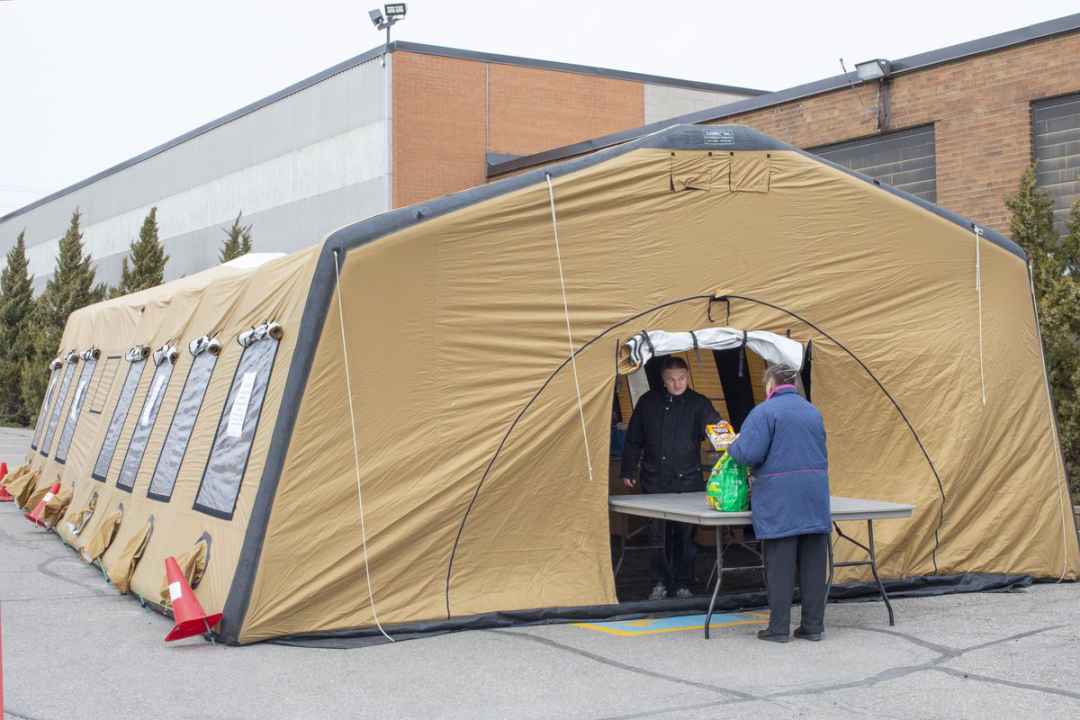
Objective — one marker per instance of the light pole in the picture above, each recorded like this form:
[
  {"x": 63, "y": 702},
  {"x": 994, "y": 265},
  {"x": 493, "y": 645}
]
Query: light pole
[{"x": 394, "y": 12}]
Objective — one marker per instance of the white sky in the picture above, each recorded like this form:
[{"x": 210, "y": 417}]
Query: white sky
[{"x": 86, "y": 84}]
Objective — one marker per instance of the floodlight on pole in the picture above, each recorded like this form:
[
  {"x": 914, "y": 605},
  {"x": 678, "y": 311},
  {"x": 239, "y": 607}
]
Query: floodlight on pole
[{"x": 394, "y": 12}]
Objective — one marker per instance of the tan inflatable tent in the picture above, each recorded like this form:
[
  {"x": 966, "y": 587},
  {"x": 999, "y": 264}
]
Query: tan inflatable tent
[{"x": 389, "y": 427}]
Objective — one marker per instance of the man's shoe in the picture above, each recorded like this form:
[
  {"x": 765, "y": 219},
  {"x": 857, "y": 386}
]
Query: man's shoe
[
  {"x": 684, "y": 593},
  {"x": 812, "y": 637},
  {"x": 771, "y": 637},
  {"x": 659, "y": 592}
]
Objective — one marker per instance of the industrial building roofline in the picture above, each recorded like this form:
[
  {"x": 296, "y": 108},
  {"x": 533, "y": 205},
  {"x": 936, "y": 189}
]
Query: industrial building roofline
[
  {"x": 369, "y": 55},
  {"x": 915, "y": 62}
]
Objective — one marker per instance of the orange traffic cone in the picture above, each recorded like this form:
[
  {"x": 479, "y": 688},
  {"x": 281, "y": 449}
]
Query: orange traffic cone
[
  {"x": 5, "y": 496},
  {"x": 33, "y": 517},
  {"x": 191, "y": 619}
]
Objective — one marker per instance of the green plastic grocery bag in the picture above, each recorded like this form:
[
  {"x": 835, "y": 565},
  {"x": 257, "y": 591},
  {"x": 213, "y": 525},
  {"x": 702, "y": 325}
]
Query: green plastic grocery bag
[{"x": 728, "y": 486}]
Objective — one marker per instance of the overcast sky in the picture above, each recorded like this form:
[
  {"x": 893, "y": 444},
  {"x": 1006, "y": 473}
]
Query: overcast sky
[{"x": 87, "y": 84}]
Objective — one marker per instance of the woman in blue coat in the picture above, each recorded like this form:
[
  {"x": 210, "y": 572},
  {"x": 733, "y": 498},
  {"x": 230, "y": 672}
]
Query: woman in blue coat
[{"x": 782, "y": 440}]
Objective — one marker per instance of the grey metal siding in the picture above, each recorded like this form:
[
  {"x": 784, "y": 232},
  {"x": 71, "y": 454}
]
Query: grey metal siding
[
  {"x": 1057, "y": 152},
  {"x": 276, "y": 164},
  {"x": 905, "y": 159}
]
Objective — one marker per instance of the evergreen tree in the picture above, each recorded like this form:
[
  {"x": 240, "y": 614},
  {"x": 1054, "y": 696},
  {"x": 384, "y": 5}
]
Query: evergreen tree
[
  {"x": 237, "y": 240},
  {"x": 1055, "y": 269},
  {"x": 148, "y": 260},
  {"x": 71, "y": 287},
  {"x": 16, "y": 342}
]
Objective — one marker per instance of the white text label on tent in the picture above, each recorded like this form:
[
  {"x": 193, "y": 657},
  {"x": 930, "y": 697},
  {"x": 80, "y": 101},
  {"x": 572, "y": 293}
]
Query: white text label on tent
[
  {"x": 240, "y": 406},
  {"x": 145, "y": 420},
  {"x": 79, "y": 392}
]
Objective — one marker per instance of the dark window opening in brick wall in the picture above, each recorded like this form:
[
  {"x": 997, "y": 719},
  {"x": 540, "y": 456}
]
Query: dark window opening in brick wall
[
  {"x": 1057, "y": 152},
  {"x": 904, "y": 159}
]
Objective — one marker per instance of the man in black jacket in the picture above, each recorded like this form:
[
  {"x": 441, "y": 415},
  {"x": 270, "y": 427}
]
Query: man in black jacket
[{"x": 669, "y": 425}]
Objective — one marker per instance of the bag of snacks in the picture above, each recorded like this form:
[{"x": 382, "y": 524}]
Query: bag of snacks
[
  {"x": 720, "y": 435},
  {"x": 727, "y": 489}
]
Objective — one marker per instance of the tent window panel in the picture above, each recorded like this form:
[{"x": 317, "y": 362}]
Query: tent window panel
[
  {"x": 119, "y": 416},
  {"x": 46, "y": 403},
  {"x": 54, "y": 414},
  {"x": 72, "y": 419},
  {"x": 183, "y": 422},
  {"x": 906, "y": 159},
  {"x": 144, "y": 426},
  {"x": 236, "y": 431},
  {"x": 1057, "y": 152},
  {"x": 99, "y": 390}
]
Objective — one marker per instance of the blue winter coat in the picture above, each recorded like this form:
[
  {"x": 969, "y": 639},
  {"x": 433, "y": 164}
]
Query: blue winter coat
[{"x": 783, "y": 441}]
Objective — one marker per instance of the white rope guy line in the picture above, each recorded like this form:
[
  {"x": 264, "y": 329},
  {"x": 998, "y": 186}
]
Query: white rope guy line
[
  {"x": 1062, "y": 485},
  {"x": 356, "y": 449},
  {"x": 569, "y": 333},
  {"x": 978, "y": 289}
]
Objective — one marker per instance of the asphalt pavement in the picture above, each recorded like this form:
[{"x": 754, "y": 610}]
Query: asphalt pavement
[{"x": 74, "y": 648}]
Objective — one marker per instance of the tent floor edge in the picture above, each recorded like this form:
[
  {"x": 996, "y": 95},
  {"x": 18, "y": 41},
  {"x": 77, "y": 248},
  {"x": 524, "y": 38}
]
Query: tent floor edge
[{"x": 911, "y": 587}]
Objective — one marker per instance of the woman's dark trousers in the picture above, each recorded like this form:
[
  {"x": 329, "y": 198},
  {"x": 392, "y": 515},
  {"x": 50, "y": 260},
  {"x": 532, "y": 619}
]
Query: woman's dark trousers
[{"x": 812, "y": 554}]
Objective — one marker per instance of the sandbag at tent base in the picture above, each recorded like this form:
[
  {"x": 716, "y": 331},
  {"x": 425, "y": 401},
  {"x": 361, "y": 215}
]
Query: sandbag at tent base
[{"x": 913, "y": 587}]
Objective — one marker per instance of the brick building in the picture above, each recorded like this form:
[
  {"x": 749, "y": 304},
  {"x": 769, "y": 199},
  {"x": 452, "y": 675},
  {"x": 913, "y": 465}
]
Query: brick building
[
  {"x": 399, "y": 124},
  {"x": 956, "y": 126}
]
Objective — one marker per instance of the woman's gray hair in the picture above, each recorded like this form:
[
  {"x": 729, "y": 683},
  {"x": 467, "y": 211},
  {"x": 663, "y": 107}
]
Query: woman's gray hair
[{"x": 780, "y": 374}]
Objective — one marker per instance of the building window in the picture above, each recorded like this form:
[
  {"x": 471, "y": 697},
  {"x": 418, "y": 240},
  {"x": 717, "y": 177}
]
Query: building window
[
  {"x": 137, "y": 358},
  {"x": 72, "y": 420},
  {"x": 1057, "y": 152},
  {"x": 904, "y": 159},
  {"x": 239, "y": 420},
  {"x": 183, "y": 422}
]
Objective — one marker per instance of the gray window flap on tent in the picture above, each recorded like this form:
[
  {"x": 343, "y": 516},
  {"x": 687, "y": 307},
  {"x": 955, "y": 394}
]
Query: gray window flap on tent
[
  {"x": 120, "y": 413},
  {"x": 144, "y": 426},
  {"x": 45, "y": 405},
  {"x": 236, "y": 430},
  {"x": 72, "y": 419},
  {"x": 183, "y": 422},
  {"x": 54, "y": 414}
]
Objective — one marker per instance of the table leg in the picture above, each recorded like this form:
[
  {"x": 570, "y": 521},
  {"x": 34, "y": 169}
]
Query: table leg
[
  {"x": 873, "y": 568},
  {"x": 719, "y": 576},
  {"x": 622, "y": 548},
  {"x": 832, "y": 568}
]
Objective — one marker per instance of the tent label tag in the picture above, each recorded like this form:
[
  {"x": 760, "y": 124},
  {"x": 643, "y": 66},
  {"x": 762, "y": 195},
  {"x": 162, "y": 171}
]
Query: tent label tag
[
  {"x": 240, "y": 406},
  {"x": 719, "y": 137},
  {"x": 149, "y": 406},
  {"x": 77, "y": 402}
]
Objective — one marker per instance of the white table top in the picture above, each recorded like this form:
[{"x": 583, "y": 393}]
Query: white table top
[{"x": 693, "y": 508}]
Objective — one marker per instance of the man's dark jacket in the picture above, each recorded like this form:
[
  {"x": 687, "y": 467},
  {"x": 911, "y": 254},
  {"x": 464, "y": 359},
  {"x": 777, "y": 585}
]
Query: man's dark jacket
[{"x": 669, "y": 428}]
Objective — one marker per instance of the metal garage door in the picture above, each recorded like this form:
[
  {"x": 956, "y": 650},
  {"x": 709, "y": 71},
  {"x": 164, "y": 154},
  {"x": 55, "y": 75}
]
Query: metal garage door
[
  {"x": 903, "y": 159},
  {"x": 1057, "y": 152}
]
